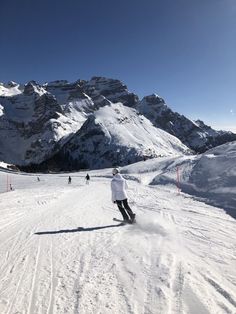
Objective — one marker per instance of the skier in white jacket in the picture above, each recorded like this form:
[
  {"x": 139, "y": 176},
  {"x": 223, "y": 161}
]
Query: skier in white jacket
[{"x": 119, "y": 195}]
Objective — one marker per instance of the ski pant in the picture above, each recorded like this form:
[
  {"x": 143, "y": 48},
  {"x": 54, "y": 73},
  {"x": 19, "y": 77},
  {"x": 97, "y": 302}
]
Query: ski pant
[{"x": 125, "y": 210}]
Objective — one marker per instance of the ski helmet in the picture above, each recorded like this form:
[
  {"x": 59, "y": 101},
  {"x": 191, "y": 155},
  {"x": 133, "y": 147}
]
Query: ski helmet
[{"x": 115, "y": 171}]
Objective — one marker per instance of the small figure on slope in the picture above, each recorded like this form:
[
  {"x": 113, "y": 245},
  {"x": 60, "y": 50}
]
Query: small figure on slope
[
  {"x": 87, "y": 178},
  {"x": 69, "y": 180},
  {"x": 119, "y": 196}
]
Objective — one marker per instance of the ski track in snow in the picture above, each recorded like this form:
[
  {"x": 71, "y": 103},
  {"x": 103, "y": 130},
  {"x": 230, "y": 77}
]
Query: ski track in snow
[{"x": 61, "y": 252}]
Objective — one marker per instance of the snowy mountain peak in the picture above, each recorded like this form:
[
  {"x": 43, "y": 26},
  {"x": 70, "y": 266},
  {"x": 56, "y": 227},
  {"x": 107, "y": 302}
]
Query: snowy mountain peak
[
  {"x": 153, "y": 99},
  {"x": 196, "y": 135},
  {"x": 116, "y": 135},
  {"x": 12, "y": 84},
  {"x": 32, "y": 88},
  {"x": 114, "y": 90},
  {"x": 10, "y": 89},
  {"x": 57, "y": 83},
  {"x": 39, "y": 120}
]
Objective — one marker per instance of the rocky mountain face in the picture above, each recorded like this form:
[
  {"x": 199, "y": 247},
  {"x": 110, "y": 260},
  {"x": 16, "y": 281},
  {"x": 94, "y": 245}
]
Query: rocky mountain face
[
  {"x": 194, "y": 134},
  {"x": 35, "y": 120},
  {"x": 114, "y": 135},
  {"x": 113, "y": 90},
  {"x": 80, "y": 124}
]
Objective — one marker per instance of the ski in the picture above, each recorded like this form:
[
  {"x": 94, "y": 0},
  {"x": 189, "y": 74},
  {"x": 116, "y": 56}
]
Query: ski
[{"x": 124, "y": 221}]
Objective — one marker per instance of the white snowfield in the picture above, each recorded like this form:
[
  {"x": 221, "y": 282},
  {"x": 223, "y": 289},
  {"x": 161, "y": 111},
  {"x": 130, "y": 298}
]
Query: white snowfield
[
  {"x": 61, "y": 252},
  {"x": 211, "y": 175}
]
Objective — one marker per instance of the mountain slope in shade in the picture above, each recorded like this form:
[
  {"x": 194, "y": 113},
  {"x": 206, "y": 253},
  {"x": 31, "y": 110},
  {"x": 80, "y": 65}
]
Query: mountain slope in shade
[{"x": 116, "y": 135}]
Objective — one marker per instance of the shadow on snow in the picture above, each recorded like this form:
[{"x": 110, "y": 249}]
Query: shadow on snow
[{"x": 79, "y": 229}]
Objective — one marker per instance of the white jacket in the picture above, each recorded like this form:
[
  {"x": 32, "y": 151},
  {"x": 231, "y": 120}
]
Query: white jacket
[{"x": 118, "y": 187}]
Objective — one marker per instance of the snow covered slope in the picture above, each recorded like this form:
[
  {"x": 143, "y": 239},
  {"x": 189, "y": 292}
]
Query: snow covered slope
[
  {"x": 61, "y": 252},
  {"x": 214, "y": 176},
  {"x": 211, "y": 175},
  {"x": 10, "y": 89},
  {"x": 116, "y": 135}
]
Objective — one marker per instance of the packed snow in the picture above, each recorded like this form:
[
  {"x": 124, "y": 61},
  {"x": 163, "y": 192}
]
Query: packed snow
[{"x": 61, "y": 251}]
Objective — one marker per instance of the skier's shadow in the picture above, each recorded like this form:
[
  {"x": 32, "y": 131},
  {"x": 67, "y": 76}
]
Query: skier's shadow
[{"x": 79, "y": 229}]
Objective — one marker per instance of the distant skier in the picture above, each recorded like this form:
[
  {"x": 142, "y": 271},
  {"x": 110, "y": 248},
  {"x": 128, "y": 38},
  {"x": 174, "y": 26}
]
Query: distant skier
[
  {"x": 11, "y": 188},
  {"x": 119, "y": 195},
  {"x": 87, "y": 178},
  {"x": 38, "y": 179},
  {"x": 69, "y": 180}
]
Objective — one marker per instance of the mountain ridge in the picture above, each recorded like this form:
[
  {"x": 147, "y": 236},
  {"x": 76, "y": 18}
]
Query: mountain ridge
[{"x": 39, "y": 119}]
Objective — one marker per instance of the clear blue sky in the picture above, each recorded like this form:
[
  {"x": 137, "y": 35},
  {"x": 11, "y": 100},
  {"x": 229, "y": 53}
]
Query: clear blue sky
[{"x": 183, "y": 50}]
